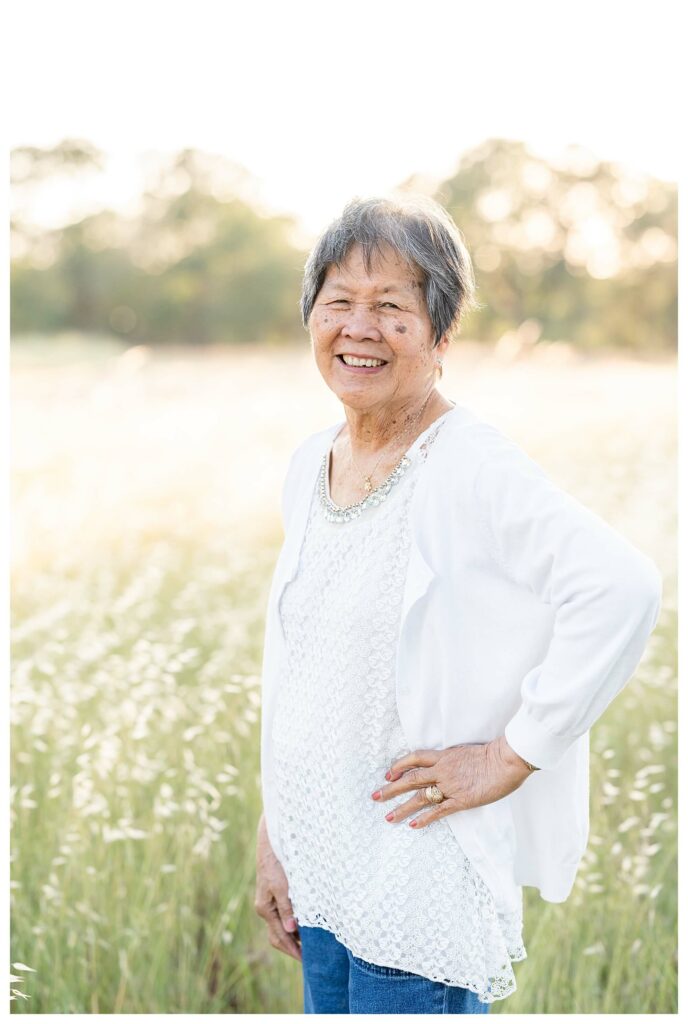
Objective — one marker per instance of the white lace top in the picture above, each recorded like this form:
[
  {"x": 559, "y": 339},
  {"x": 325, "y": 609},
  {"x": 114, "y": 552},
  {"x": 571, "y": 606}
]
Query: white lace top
[{"x": 394, "y": 896}]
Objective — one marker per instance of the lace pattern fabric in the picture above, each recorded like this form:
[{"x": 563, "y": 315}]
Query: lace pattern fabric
[{"x": 393, "y": 896}]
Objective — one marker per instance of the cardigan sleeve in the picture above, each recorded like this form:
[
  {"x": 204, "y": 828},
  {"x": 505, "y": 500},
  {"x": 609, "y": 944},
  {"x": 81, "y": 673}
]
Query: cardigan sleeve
[{"x": 605, "y": 593}]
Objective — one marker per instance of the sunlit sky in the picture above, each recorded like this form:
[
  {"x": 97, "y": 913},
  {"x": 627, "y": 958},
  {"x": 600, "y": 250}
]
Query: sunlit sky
[{"x": 324, "y": 101}]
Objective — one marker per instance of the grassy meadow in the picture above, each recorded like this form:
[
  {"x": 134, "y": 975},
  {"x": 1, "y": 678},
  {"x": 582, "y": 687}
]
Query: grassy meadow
[{"x": 145, "y": 527}]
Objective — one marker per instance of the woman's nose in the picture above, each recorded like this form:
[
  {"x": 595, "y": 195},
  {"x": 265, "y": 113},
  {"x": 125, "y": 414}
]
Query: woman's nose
[{"x": 360, "y": 323}]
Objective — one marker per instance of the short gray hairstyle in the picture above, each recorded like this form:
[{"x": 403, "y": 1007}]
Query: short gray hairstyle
[{"x": 422, "y": 232}]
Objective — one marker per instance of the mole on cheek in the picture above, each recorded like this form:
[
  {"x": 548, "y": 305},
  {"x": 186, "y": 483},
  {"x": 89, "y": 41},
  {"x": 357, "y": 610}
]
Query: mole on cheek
[{"x": 400, "y": 328}]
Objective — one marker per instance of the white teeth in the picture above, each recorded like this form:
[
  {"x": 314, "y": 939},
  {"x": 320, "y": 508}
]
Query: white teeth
[{"x": 353, "y": 361}]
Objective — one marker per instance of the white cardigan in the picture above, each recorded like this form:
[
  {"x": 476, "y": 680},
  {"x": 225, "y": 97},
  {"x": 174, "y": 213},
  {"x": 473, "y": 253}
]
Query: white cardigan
[{"x": 524, "y": 614}]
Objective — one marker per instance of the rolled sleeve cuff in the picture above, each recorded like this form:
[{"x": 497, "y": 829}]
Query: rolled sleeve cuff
[{"x": 533, "y": 742}]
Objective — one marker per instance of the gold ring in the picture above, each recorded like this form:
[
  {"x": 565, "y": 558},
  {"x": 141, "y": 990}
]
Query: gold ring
[{"x": 434, "y": 795}]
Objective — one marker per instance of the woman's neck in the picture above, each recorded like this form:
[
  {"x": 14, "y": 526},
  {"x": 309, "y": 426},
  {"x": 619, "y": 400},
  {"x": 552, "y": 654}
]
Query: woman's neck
[{"x": 373, "y": 431}]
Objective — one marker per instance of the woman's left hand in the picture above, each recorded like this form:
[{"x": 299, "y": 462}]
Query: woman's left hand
[{"x": 469, "y": 775}]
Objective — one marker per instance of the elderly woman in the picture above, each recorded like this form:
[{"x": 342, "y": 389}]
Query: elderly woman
[{"x": 444, "y": 626}]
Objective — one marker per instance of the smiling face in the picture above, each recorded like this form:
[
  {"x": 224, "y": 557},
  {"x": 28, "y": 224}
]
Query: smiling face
[{"x": 379, "y": 314}]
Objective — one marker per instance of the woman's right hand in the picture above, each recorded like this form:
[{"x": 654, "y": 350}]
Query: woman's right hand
[{"x": 272, "y": 901}]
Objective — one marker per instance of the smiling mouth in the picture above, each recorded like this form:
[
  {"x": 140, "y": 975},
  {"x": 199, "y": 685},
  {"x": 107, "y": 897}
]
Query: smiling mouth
[{"x": 380, "y": 364}]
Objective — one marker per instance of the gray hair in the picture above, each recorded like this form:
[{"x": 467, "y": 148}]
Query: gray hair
[{"x": 422, "y": 232}]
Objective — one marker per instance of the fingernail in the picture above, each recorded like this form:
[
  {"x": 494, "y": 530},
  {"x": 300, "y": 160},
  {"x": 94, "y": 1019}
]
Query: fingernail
[
  {"x": 388, "y": 776},
  {"x": 413, "y": 823},
  {"x": 376, "y": 794},
  {"x": 291, "y": 924},
  {"x": 388, "y": 817}
]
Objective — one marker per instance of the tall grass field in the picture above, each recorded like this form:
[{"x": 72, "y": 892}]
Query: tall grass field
[{"x": 146, "y": 524}]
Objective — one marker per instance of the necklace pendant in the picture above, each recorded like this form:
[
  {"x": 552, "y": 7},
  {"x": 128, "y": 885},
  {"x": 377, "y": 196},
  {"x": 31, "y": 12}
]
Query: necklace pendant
[{"x": 336, "y": 514}]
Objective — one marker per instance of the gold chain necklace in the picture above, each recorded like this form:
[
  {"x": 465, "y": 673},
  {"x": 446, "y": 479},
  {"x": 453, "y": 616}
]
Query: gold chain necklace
[{"x": 368, "y": 477}]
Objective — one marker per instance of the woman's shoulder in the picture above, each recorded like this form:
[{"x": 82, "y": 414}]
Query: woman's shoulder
[
  {"x": 476, "y": 440},
  {"x": 314, "y": 443},
  {"x": 304, "y": 457}
]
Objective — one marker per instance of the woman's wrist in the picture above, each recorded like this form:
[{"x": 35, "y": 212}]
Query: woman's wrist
[{"x": 510, "y": 758}]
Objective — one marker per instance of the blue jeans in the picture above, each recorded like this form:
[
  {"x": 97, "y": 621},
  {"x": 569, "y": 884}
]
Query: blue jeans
[{"x": 336, "y": 981}]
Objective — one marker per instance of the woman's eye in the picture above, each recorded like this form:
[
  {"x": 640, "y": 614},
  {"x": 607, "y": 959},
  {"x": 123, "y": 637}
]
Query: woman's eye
[
  {"x": 392, "y": 305},
  {"x": 339, "y": 302}
]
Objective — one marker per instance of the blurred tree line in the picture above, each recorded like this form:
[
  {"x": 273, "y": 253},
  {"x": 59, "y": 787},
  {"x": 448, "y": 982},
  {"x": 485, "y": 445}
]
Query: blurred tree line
[{"x": 583, "y": 251}]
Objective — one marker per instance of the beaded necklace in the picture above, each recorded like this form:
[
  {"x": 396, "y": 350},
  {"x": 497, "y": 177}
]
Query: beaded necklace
[{"x": 344, "y": 513}]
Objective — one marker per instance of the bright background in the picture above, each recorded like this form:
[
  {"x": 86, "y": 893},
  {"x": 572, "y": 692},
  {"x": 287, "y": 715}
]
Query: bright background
[
  {"x": 172, "y": 163},
  {"x": 322, "y": 101}
]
